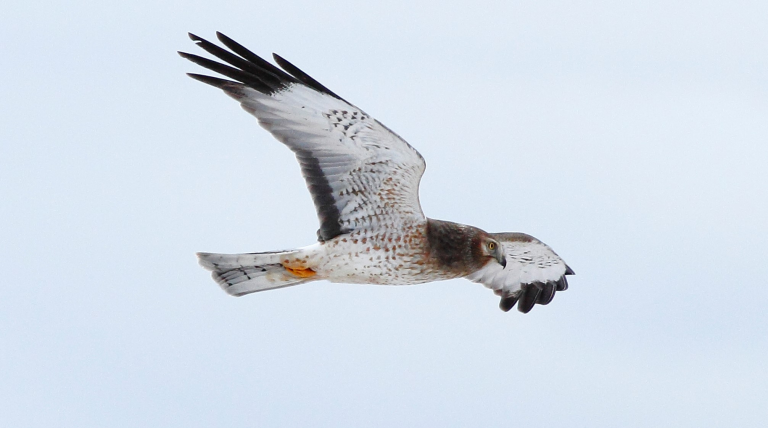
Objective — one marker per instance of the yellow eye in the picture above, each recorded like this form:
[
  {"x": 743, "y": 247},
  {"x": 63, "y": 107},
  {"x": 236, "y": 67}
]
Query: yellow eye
[{"x": 491, "y": 246}]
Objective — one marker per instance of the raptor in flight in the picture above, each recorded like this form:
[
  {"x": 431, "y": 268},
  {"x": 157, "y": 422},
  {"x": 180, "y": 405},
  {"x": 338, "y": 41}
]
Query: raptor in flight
[{"x": 364, "y": 181}]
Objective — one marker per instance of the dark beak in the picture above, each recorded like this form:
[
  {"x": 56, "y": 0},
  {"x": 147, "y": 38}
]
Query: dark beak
[{"x": 501, "y": 258}]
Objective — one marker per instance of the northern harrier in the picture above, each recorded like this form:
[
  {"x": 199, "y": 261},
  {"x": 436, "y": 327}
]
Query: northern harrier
[{"x": 364, "y": 181}]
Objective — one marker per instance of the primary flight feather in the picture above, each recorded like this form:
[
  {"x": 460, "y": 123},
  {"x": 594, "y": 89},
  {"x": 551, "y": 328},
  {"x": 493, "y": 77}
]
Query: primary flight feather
[{"x": 364, "y": 181}]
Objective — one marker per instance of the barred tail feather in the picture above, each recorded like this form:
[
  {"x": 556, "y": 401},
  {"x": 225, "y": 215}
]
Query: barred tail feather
[{"x": 240, "y": 274}]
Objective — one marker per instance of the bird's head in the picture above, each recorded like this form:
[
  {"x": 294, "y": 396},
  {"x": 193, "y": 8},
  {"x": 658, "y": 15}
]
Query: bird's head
[{"x": 491, "y": 248}]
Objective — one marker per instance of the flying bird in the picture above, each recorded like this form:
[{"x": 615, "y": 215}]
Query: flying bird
[{"x": 364, "y": 181}]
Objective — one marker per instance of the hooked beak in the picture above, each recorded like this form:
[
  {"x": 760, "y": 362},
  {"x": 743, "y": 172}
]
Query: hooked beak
[{"x": 501, "y": 258}]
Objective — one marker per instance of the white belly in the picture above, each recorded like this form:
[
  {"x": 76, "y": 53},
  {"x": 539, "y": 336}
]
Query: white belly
[{"x": 379, "y": 259}]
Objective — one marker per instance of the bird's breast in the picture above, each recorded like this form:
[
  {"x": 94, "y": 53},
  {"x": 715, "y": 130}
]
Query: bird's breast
[{"x": 387, "y": 257}]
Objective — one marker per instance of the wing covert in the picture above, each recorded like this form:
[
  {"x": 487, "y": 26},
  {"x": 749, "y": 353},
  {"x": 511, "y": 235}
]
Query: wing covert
[{"x": 358, "y": 172}]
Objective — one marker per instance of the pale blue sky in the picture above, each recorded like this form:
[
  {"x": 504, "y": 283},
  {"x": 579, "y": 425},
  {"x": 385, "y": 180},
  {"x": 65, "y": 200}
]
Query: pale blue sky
[{"x": 631, "y": 138}]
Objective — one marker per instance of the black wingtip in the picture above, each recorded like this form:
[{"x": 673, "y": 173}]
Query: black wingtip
[
  {"x": 562, "y": 283},
  {"x": 547, "y": 293},
  {"x": 250, "y": 69},
  {"x": 228, "y": 41},
  {"x": 204, "y": 62},
  {"x": 528, "y": 298},
  {"x": 302, "y": 76},
  {"x": 507, "y": 303},
  {"x": 194, "y": 58},
  {"x": 223, "y": 38},
  {"x": 213, "y": 81}
]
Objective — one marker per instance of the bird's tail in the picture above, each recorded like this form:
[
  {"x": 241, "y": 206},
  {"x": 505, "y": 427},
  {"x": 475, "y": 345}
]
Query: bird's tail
[{"x": 240, "y": 274}]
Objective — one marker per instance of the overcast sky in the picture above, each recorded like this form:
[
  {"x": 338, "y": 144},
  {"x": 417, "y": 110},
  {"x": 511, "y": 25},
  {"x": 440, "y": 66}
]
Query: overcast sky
[{"x": 632, "y": 138}]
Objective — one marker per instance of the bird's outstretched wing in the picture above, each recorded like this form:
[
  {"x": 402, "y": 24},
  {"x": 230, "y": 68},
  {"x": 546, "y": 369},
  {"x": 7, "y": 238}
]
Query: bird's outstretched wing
[
  {"x": 533, "y": 273},
  {"x": 360, "y": 173}
]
